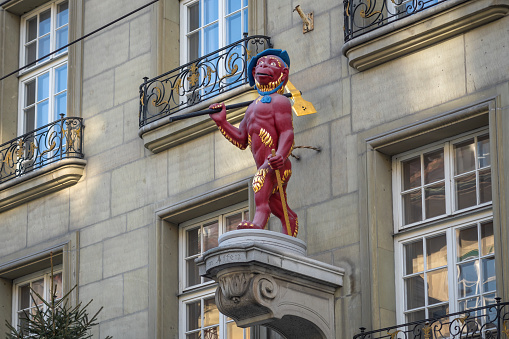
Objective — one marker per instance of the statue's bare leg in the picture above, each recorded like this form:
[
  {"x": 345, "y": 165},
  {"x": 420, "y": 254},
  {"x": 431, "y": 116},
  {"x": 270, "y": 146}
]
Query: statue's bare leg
[
  {"x": 263, "y": 185},
  {"x": 276, "y": 208}
]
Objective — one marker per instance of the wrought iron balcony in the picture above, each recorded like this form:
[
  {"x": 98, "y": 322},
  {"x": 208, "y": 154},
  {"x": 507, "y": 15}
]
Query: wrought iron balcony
[
  {"x": 199, "y": 80},
  {"x": 489, "y": 322},
  {"x": 58, "y": 140},
  {"x": 362, "y": 16}
]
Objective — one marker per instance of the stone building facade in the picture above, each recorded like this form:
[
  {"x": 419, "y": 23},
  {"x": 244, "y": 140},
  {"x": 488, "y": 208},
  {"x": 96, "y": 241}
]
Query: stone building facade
[{"x": 407, "y": 193}]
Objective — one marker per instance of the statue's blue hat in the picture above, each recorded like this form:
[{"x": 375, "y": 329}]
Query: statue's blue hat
[{"x": 283, "y": 55}]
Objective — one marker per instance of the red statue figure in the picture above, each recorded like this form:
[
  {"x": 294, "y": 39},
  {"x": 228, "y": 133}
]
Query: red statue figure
[{"x": 267, "y": 126}]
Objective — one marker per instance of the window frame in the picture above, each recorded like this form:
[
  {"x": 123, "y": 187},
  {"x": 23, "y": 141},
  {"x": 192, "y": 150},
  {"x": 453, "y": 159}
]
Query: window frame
[
  {"x": 29, "y": 278},
  {"x": 449, "y": 176},
  {"x": 205, "y": 289},
  {"x": 221, "y": 20},
  {"x": 50, "y": 65},
  {"x": 449, "y": 228}
]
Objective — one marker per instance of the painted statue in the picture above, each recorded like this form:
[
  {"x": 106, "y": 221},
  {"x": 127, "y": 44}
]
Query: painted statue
[{"x": 267, "y": 128}]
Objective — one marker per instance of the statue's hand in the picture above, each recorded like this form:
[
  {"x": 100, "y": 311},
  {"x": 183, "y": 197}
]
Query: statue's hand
[
  {"x": 276, "y": 162},
  {"x": 219, "y": 116}
]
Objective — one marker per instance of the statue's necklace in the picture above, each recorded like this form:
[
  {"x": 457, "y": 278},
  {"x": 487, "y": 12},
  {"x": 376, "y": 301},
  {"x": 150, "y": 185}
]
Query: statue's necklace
[{"x": 266, "y": 99}]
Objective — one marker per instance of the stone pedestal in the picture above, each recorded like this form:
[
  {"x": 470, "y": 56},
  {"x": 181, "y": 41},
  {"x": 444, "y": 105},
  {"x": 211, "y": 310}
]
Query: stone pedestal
[{"x": 265, "y": 278}]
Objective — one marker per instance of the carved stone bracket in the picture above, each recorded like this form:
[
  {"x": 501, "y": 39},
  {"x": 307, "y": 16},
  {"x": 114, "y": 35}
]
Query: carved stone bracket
[{"x": 265, "y": 278}]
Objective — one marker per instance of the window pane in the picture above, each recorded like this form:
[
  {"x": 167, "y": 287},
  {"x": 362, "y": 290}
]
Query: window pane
[
  {"x": 467, "y": 244},
  {"x": 194, "y": 46},
  {"x": 62, "y": 14},
  {"x": 439, "y": 311},
  {"x": 233, "y": 5},
  {"x": 436, "y": 249},
  {"x": 246, "y": 29},
  {"x": 434, "y": 166},
  {"x": 212, "y": 333},
  {"x": 210, "y": 312},
  {"x": 42, "y": 113},
  {"x": 44, "y": 46},
  {"x": 44, "y": 22},
  {"x": 193, "y": 242},
  {"x": 487, "y": 238},
  {"x": 29, "y": 93},
  {"x": 60, "y": 105},
  {"x": 411, "y": 173},
  {"x": 415, "y": 316},
  {"x": 415, "y": 291},
  {"x": 483, "y": 150},
  {"x": 31, "y": 29},
  {"x": 470, "y": 303},
  {"x": 23, "y": 322},
  {"x": 434, "y": 200},
  {"x": 485, "y": 185},
  {"x": 488, "y": 275},
  {"x": 62, "y": 39},
  {"x": 210, "y": 235},
  {"x": 233, "y": 28},
  {"x": 195, "y": 335},
  {"x": 24, "y": 297},
  {"x": 38, "y": 287},
  {"x": 193, "y": 18},
  {"x": 211, "y": 36},
  {"x": 29, "y": 119},
  {"x": 465, "y": 191},
  {"x": 193, "y": 277},
  {"x": 412, "y": 206},
  {"x": 468, "y": 279},
  {"x": 211, "y": 10},
  {"x": 61, "y": 78},
  {"x": 438, "y": 286},
  {"x": 31, "y": 53},
  {"x": 464, "y": 157},
  {"x": 193, "y": 315},
  {"x": 43, "y": 87},
  {"x": 57, "y": 285},
  {"x": 233, "y": 221},
  {"x": 414, "y": 257}
]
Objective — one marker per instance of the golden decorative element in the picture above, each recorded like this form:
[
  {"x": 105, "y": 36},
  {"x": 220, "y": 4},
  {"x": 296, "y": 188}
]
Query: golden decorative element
[
  {"x": 363, "y": 12},
  {"x": 393, "y": 334},
  {"x": 223, "y": 132},
  {"x": 505, "y": 330},
  {"x": 21, "y": 149},
  {"x": 156, "y": 99},
  {"x": 232, "y": 71},
  {"x": 177, "y": 85},
  {"x": 259, "y": 179},
  {"x": 249, "y": 140},
  {"x": 32, "y": 148},
  {"x": 283, "y": 198},
  {"x": 286, "y": 175},
  {"x": 460, "y": 319},
  {"x": 52, "y": 146},
  {"x": 296, "y": 228},
  {"x": 249, "y": 54},
  {"x": 209, "y": 73},
  {"x": 300, "y": 106},
  {"x": 348, "y": 8},
  {"x": 193, "y": 75},
  {"x": 427, "y": 331},
  {"x": 265, "y": 137},
  {"x": 7, "y": 156}
]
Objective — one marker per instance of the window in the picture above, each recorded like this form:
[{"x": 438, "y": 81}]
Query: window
[
  {"x": 442, "y": 180},
  {"x": 209, "y": 25},
  {"x": 43, "y": 86},
  {"x": 444, "y": 242},
  {"x": 25, "y": 303},
  {"x": 199, "y": 313}
]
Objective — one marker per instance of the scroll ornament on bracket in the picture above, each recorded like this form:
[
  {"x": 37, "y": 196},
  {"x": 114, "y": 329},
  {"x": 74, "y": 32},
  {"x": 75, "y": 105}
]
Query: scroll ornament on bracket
[{"x": 234, "y": 286}]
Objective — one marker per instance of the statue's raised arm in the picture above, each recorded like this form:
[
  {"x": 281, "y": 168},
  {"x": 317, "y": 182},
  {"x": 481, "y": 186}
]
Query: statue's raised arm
[{"x": 267, "y": 126}]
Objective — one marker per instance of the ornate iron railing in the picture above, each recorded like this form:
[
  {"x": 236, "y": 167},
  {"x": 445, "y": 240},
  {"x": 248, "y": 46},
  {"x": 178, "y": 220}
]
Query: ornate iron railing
[
  {"x": 489, "y": 322},
  {"x": 201, "y": 79},
  {"x": 362, "y": 16},
  {"x": 58, "y": 140}
]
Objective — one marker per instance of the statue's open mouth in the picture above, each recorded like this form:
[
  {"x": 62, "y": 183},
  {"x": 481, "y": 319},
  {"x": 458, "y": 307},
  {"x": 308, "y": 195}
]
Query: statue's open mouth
[{"x": 264, "y": 74}]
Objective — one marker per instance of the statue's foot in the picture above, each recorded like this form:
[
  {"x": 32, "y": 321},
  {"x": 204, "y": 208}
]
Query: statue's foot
[{"x": 245, "y": 225}]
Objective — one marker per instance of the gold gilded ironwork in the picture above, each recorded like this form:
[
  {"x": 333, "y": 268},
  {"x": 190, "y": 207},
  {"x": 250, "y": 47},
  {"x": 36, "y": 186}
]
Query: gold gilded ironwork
[
  {"x": 233, "y": 70},
  {"x": 156, "y": 102},
  {"x": 21, "y": 148},
  {"x": 265, "y": 137},
  {"x": 505, "y": 329},
  {"x": 394, "y": 335},
  {"x": 259, "y": 179},
  {"x": 237, "y": 144},
  {"x": 363, "y": 12},
  {"x": 177, "y": 85},
  {"x": 193, "y": 75},
  {"x": 300, "y": 106},
  {"x": 209, "y": 73},
  {"x": 427, "y": 331},
  {"x": 6, "y": 158},
  {"x": 53, "y": 144},
  {"x": 32, "y": 148}
]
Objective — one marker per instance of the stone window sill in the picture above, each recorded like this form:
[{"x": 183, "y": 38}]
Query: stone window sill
[
  {"x": 41, "y": 182},
  {"x": 421, "y": 30},
  {"x": 161, "y": 135}
]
